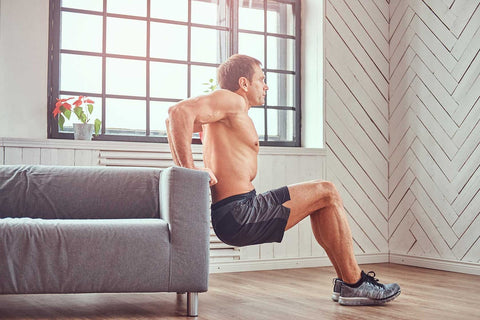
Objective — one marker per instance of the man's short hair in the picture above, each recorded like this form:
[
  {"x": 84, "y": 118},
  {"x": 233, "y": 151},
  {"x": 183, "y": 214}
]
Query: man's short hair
[{"x": 237, "y": 66}]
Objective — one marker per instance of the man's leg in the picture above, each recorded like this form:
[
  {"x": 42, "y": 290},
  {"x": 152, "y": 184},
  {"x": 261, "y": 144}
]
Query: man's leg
[{"x": 321, "y": 201}]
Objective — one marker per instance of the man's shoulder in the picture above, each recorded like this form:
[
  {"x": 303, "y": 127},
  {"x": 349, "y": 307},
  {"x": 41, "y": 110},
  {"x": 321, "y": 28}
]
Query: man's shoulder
[{"x": 229, "y": 101}]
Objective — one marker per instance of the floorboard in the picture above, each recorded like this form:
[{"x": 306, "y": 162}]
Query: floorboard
[{"x": 278, "y": 294}]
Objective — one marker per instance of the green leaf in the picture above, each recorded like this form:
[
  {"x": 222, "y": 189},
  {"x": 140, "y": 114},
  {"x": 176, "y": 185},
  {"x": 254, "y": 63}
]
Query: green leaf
[
  {"x": 90, "y": 108},
  {"x": 80, "y": 114},
  {"x": 97, "y": 126},
  {"x": 78, "y": 111},
  {"x": 67, "y": 113},
  {"x": 61, "y": 121}
]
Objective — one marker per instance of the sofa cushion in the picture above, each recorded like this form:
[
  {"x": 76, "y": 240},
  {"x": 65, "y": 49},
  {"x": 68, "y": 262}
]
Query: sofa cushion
[
  {"x": 66, "y": 256},
  {"x": 56, "y": 192}
]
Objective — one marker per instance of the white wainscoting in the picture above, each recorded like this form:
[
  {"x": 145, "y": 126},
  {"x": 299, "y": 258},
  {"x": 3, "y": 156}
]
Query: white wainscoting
[{"x": 276, "y": 167}]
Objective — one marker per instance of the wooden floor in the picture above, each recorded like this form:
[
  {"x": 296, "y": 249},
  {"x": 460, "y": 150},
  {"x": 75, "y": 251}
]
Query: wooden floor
[{"x": 281, "y": 294}]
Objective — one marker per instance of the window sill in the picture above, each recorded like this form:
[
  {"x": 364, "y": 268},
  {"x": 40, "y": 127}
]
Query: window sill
[{"x": 139, "y": 146}]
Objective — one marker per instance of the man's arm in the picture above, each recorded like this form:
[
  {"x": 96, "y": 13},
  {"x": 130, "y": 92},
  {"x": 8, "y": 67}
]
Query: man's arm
[
  {"x": 170, "y": 143},
  {"x": 181, "y": 124}
]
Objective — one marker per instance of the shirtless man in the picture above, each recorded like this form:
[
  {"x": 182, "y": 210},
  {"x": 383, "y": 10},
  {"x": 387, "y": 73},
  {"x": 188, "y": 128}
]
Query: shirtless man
[{"x": 242, "y": 217}]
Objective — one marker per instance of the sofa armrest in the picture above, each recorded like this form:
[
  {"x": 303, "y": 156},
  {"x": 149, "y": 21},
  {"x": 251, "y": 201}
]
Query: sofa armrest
[{"x": 184, "y": 204}]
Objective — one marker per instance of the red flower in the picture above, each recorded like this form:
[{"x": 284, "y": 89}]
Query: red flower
[
  {"x": 79, "y": 102},
  {"x": 89, "y": 101},
  {"x": 60, "y": 103},
  {"x": 56, "y": 111}
]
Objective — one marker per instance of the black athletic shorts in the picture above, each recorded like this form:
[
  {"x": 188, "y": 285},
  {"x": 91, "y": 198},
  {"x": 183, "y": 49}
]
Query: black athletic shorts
[{"x": 251, "y": 218}]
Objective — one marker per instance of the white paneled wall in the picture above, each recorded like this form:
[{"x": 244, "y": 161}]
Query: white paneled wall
[
  {"x": 356, "y": 81},
  {"x": 434, "y": 117},
  {"x": 402, "y": 85},
  {"x": 43, "y": 152}
]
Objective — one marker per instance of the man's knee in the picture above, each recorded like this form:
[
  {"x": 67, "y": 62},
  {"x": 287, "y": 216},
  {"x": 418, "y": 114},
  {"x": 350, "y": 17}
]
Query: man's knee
[{"x": 329, "y": 192}]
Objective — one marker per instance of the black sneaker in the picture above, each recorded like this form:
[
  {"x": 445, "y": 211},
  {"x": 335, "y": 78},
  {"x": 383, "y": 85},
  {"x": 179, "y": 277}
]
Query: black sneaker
[
  {"x": 368, "y": 291},
  {"x": 337, "y": 286}
]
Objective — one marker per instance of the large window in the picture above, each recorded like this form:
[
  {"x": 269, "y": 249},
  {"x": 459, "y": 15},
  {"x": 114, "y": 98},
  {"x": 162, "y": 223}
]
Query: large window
[{"x": 136, "y": 58}]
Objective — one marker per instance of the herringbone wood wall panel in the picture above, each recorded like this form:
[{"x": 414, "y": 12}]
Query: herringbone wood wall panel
[
  {"x": 403, "y": 123},
  {"x": 434, "y": 152},
  {"x": 357, "y": 117}
]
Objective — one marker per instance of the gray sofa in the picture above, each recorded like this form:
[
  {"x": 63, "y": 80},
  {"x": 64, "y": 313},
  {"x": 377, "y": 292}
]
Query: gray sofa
[{"x": 103, "y": 229}]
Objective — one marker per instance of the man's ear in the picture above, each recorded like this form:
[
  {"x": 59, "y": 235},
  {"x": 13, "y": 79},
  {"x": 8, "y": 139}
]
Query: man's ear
[{"x": 242, "y": 82}]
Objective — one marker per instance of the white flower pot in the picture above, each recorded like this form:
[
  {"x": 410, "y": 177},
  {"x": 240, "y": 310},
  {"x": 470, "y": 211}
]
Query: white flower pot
[{"x": 83, "y": 131}]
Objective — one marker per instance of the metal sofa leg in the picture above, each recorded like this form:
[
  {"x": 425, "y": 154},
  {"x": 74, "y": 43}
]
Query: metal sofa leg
[{"x": 192, "y": 304}]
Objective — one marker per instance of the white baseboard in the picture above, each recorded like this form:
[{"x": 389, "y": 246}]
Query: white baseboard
[
  {"x": 435, "y": 263},
  {"x": 288, "y": 263},
  {"x": 311, "y": 262}
]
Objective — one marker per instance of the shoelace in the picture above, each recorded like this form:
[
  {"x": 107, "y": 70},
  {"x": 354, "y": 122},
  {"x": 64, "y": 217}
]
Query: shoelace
[{"x": 371, "y": 278}]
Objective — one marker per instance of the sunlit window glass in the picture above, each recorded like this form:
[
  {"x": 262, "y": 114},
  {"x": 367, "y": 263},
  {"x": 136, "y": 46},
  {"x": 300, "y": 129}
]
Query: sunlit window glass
[
  {"x": 168, "y": 9},
  {"x": 136, "y": 58}
]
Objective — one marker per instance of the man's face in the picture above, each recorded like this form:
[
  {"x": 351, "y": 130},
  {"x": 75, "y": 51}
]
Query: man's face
[{"x": 257, "y": 88}]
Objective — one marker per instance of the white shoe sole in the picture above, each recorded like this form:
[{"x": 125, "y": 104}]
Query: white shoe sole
[
  {"x": 335, "y": 296},
  {"x": 363, "y": 301}
]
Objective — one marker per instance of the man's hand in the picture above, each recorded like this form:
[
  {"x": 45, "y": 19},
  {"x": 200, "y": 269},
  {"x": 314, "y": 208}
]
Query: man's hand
[{"x": 213, "y": 179}]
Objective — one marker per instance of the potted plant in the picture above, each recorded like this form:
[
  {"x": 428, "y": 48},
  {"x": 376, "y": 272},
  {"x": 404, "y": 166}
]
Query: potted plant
[
  {"x": 211, "y": 85},
  {"x": 83, "y": 109}
]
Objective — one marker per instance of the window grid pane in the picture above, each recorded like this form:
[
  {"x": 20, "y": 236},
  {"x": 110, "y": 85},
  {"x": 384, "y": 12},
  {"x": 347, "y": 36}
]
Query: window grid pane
[{"x": 135, "y": 68}]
